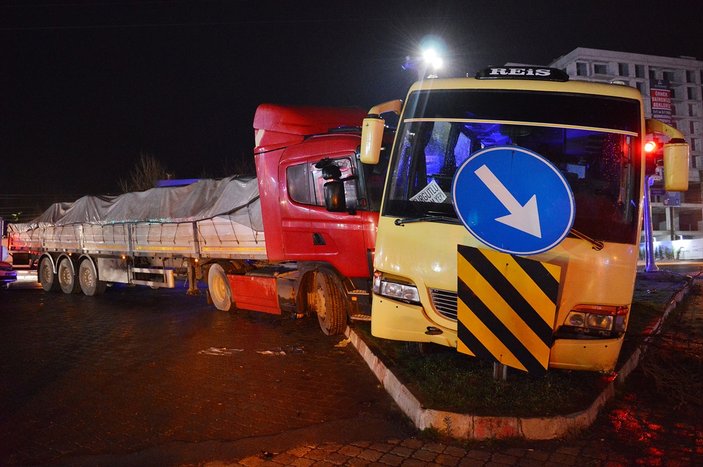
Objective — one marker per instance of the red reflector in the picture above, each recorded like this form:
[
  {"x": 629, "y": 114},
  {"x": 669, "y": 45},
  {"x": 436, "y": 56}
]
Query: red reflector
[{"x": 608, "y": 310}]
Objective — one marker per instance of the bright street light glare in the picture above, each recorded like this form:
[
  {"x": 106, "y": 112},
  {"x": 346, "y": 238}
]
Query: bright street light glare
[{"x": 432, "y": 58}]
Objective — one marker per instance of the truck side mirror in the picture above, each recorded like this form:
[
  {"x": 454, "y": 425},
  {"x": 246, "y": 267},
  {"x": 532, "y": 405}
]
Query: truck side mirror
[
  {"x": 371, "y": 139},
  {"x": 334, "y": 196},
  {"x": 676, "y": 165}
]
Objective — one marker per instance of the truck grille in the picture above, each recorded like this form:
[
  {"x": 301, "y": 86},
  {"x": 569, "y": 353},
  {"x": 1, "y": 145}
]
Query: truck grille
[{"x": 444, "y": 303}]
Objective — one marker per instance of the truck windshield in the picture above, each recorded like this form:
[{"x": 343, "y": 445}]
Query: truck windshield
[{"x": 599, "y": 157}]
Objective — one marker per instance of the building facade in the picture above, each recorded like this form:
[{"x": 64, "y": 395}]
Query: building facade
[{"x": 673, "y": 92}]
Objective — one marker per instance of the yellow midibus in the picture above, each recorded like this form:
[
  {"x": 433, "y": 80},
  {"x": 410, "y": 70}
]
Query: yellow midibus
[{"x": 437, "y": 278}]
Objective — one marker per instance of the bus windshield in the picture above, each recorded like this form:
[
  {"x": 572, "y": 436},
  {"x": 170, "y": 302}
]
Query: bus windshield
[{"x": 601, "y": 164}]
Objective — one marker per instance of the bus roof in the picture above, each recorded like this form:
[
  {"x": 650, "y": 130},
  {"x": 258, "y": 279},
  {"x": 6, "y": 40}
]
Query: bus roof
[{"x": 572, "y": 86}]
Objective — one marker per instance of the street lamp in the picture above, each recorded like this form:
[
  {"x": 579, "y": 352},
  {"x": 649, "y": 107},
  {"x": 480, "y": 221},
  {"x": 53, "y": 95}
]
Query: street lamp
[
  {"x": 432, "y": 61},
  {"x": 429, "y": 60}
]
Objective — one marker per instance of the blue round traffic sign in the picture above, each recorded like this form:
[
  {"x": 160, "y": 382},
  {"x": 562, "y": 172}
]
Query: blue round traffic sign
[{"x": 513, "y": 200}]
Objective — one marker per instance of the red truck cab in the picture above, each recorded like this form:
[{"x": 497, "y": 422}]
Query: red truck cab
[
  {"x": 297, "y": 223},
  {"x": 319, "y": 209}
]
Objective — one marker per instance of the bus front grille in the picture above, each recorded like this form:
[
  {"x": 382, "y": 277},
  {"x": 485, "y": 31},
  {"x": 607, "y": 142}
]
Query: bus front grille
[{"x": 444, "y": 303}]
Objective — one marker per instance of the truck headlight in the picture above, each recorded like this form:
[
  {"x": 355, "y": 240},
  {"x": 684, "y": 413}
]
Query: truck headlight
[{"x": 395, "y": 290}]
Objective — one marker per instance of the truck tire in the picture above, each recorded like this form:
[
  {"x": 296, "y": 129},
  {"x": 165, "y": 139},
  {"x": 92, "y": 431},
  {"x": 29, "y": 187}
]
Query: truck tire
[
  {"x": 88, "y": 279},
  {"x": 218, "y": 287},
  {"x": 46, "y": 276},
  {"x": 66, "y": 275},
  {"x": 327, "y": 300}
]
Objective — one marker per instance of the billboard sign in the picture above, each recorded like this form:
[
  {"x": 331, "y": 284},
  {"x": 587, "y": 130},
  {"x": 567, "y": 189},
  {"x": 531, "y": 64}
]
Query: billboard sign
[{"x": 661, "y": 102}]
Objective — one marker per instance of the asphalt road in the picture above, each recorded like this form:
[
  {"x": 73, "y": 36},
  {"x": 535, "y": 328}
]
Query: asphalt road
[{"x": 154, "y": 377}]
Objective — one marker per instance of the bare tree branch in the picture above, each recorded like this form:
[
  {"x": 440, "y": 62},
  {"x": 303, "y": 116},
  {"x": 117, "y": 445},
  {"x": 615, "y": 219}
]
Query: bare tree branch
[{"x": 144, "y": 174}]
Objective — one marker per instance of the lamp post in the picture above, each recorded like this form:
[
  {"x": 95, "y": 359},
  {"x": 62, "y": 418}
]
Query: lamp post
[
  {"x": 650, "y": 264},
  {"x": 426, "y": 65}
]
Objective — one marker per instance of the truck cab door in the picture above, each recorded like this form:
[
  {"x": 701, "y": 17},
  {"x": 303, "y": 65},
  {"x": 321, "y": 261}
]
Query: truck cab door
[{"x": 311, "y": 232}]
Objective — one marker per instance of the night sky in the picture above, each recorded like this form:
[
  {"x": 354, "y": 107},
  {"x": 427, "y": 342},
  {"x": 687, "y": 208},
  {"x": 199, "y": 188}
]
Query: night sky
[{"x": 86, "y": 86}]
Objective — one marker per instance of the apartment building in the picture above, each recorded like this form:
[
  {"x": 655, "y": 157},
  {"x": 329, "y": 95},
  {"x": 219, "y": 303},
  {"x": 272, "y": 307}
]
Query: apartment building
[{"x": 673, "y": 92}]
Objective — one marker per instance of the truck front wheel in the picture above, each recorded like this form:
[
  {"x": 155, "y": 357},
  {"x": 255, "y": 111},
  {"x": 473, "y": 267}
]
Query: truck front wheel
[
  {"x": 47, "y": 278},
  {"x": 327, "y": 301},
  {"x": 218, "y": 287}
]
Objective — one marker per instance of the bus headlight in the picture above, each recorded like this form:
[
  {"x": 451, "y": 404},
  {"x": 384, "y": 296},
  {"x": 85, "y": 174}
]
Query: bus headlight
[
  {"x": 395, "y": 290},
  {"x": 604, "y": 323},
  {"x": 595, "y": 321}
]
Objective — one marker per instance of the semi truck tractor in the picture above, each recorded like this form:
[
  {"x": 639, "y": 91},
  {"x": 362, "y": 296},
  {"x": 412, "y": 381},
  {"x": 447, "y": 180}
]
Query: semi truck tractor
[{"x": 296, "y": 239}]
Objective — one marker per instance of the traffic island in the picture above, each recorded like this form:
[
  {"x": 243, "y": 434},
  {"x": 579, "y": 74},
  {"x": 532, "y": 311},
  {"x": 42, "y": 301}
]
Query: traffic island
[{"x": 656, "y": 296}]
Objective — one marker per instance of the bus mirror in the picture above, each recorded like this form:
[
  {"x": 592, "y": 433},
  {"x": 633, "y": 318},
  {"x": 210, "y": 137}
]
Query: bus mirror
[
  {"x": 372, "y": 139},
  {"x": 334, "y": 196},
  {"x": 676, "y": 165}
]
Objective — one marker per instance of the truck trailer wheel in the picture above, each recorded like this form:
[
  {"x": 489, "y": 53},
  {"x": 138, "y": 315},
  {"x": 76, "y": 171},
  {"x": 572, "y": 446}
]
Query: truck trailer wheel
[
  {"x": 218, "y": 287},
  {"x": 66, "y": 274},
  {"x": 46, "y": 276},
  {"x": 88, "y": 279},
  {"x": 327, "y": 301}
]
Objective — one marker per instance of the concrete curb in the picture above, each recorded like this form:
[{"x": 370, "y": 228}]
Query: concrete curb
[{"x": 467, "y": 426}]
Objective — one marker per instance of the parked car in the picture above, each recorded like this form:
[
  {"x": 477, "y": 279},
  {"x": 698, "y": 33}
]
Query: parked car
[{"x": 7, "y": 274}]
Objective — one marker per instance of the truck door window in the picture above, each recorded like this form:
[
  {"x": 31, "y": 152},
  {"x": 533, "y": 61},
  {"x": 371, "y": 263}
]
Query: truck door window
[
  {"x": 298, "y": 183},
  {"x": 345, "y": 167},
  {"x": 306, "y": 184}
]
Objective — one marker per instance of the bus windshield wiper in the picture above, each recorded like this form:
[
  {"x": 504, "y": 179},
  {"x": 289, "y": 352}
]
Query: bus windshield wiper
[
  {"x": 426, "y": 218},
  {"x": 597, "y": 244}
]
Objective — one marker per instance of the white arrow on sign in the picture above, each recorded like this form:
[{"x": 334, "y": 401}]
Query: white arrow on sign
[{"x": 524, "y": 218}]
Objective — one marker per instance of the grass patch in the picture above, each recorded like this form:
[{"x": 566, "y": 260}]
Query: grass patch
[
  {"x": 444, "y": 379},
  {"x": 652, "y": 295}
]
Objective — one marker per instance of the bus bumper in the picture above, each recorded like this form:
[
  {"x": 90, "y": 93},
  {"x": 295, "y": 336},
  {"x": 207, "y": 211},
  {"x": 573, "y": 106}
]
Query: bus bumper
[{"x": 395, "y": 320}]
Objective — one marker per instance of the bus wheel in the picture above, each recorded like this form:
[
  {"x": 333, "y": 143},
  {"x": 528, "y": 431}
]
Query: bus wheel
[
  {"x": 328, "y": 303},
  {"x": 46, "y": 276},
  {"x": 88, "y": 279},
  {"x": 66, "y": 275},
  {"x": 218, "y": 287}
]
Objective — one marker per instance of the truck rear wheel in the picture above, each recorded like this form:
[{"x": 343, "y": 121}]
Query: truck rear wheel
[
  {"x": 46, "y": 275},
  {"x": 327, "y": 301},
  {"x": 218, "y": 287},
  {"x": 88, "y": 279},
  {"x": 66, "y": 274}
]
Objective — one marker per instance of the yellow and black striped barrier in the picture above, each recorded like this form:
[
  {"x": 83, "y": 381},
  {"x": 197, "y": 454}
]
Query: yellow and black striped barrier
[{"x": 506, "y": 308}]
